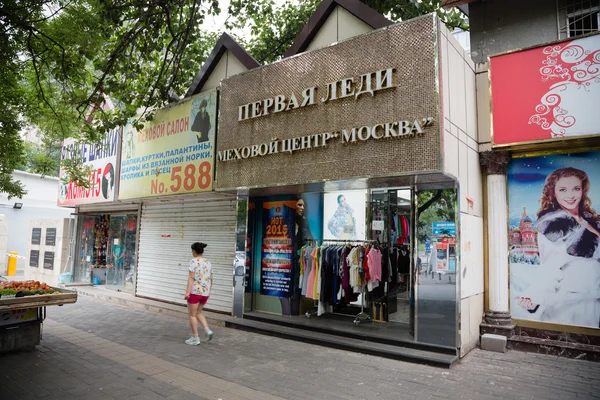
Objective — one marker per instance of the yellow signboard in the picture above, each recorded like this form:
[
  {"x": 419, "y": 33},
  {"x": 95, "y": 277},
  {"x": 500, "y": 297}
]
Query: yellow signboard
[{"x": 173, "y": 153}]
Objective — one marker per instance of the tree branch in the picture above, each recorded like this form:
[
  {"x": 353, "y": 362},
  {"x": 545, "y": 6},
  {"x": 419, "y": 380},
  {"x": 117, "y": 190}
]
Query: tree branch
[
  {"x": 429, "y": 202},
  {"x": 125, "y": 41}
]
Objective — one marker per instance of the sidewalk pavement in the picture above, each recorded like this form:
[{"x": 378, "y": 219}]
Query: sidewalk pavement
[{"x": 101, "y": 350}]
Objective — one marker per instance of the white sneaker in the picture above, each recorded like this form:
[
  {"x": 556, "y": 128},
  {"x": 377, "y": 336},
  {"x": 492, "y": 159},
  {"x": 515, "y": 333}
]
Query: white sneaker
[
  {"x": 209, "y": 334},
  {"x": 193, "y": 341}
]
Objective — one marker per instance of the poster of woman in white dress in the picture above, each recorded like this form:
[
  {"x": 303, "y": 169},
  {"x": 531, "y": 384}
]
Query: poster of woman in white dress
[
  {"x": 554, "y": 239},
  {"x": 344, "y": 215}
]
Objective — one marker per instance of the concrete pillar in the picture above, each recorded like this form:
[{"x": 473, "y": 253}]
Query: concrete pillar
[
  {"x": 497, "y": 316},
  {"x": 497, "y": 243}
]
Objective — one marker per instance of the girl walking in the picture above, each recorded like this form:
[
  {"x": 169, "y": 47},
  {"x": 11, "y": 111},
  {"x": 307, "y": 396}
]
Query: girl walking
[{"x": 198, "y": 290}]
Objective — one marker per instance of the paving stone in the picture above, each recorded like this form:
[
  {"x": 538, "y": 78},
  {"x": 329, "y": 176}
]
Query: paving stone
[{"x": 102, "y": 350}]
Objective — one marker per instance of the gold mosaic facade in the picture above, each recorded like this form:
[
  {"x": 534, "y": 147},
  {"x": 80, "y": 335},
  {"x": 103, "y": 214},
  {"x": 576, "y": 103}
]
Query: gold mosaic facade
[{"x": 408, "y": 47}]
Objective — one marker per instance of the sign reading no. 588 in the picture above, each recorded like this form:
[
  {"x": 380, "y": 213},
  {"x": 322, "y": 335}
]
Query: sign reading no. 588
[{"x": 184, "y": 179}]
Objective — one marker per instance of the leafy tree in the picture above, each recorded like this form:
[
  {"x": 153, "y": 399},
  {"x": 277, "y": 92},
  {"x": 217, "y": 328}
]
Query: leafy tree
[
  {"x": 434, "y": 205},
  {"x": 43, "y": 159},
  {"x": 63, "y": 58},
  {"x": 274, "y": 29}
]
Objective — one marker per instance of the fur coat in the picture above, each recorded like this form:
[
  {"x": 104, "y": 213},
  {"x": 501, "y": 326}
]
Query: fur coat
[{"x": 570, "y": 260}]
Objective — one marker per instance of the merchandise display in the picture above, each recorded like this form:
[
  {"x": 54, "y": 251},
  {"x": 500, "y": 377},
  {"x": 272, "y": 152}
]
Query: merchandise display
[
  {"x": 106, "y": 250},
  {"x": 338, "y": 275},
  {"x": 15, "y": 289}
]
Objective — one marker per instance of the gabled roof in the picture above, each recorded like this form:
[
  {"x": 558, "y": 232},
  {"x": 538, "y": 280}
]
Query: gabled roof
[
  {"x": 455, "y": 3},
  {"x": 224, "y": 43},
  {"x": 462, "y": 5},
  {"x": 316, "y": 21}
]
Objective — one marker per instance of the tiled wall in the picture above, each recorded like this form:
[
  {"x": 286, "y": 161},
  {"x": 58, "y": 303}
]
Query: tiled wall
[
  {"x": 461, "y": 160},
  {"x": 60, "y": 249}
]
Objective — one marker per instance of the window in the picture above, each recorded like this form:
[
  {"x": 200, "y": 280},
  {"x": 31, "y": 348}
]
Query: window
[{"x": 579, "y": 16}]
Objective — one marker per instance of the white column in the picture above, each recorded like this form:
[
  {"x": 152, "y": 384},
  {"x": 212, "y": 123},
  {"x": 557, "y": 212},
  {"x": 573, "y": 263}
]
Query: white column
[{"x": 497, "y": 243}]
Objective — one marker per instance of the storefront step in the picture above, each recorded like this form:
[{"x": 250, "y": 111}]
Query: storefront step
[
  {"x": 140, "y": 303},
  {"x": 389, "y": 334},
  {"x": 345, "y": 343},
  {"x": 554, "y": 347}
]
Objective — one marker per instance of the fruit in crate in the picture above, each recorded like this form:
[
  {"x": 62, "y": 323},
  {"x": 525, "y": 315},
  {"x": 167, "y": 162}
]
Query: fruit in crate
[{"x": 26, "y": 286}]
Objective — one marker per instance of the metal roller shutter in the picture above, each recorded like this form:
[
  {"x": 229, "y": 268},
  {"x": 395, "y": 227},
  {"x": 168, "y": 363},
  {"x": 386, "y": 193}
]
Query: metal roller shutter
[{"x": 167, "y": 230}]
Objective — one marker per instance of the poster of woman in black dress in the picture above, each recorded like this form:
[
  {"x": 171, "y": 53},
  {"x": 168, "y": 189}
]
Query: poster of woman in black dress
[{"x": 202, "y": 125}]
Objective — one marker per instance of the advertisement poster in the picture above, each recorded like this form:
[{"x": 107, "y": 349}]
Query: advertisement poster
[
  {"x": 101, "y": 161},
  {"x": 446, "y": 254},
  {"x": 278, "y": 248},
  {"x": 554, "y": 239},
  {"x": 306, "y": 224},
  {"x": 547, "y": 92},
  {"x": 344, "y": 215},
  {"x": 173, "y": 153}
]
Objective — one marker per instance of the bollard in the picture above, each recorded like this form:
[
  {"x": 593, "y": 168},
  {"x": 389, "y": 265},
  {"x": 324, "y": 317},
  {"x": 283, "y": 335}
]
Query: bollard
[
  {"x": 450, "y": 278},
  {"x": 11, "y": 269},
  {"x": 440, "y": 276}
]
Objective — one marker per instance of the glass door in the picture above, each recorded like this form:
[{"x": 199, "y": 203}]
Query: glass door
[
  {"x": 121, "y": 260},
  {"x": 390, "y": 212},
  {"x": 85, "y": 257}
]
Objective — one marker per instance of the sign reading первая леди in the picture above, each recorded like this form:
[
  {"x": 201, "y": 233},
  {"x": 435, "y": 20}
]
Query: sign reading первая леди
[{"x": 368, "y": 84}]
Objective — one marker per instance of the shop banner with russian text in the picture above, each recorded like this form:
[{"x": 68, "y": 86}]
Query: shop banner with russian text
[
  {"x": 554, "y": 239},
  {"x": 278, "y": 248},
  {"x": 549, "y": 92},
  {"x": 173, "y": 153},
  {"x": 102, "y": 163}
]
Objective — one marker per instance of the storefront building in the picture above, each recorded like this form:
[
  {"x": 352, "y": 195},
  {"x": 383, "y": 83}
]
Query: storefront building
[
  {"x": 152, "y": 196},
  {"x": 537, "y": 90},
  {"x": 545, "y": 159},
  {"x": 359, "y": 206},
  {"x": 169, "y": 165},
  {"x": 103, "y": 244}
]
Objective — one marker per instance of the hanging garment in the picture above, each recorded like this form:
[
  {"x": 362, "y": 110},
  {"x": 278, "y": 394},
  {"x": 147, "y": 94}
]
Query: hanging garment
[
  {"x": 301, "y": 268},
  {"x": 365, "y": 264},
  {"x": 311, "y": 290},
  {"x": 354, "y": 267},
  {"x": 306, "y": 256},
  {"x": 403, "y": 260},
  {"x": 374, "y": 265},
  {"x": 322, "y": 306},
  {"x": 385, "y": 264}
]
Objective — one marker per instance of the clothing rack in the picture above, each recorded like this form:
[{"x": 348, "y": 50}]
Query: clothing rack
[
  {"x": 347, "y": 241},
  {"x": 362, "y": 316}
]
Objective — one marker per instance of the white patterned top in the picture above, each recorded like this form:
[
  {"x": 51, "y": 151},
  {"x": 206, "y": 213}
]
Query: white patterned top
[{"x": 202, "y": 270}]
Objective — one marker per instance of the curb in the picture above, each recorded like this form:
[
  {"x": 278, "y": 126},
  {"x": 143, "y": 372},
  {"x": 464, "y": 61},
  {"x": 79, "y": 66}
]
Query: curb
[{"x": 152, "y": 306}]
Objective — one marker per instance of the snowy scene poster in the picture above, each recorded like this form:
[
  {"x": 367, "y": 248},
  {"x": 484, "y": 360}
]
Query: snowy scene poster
[{"x": 554, "y": 236}]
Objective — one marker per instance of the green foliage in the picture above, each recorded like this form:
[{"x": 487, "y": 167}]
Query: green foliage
[
  {"x": 402, "y": 10},
  {"x": 273, "y": 29},
  {"x": 433, "y": 206},
  {"x": 64, "y": 58},
  {"x": 43, "y": 159}
]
